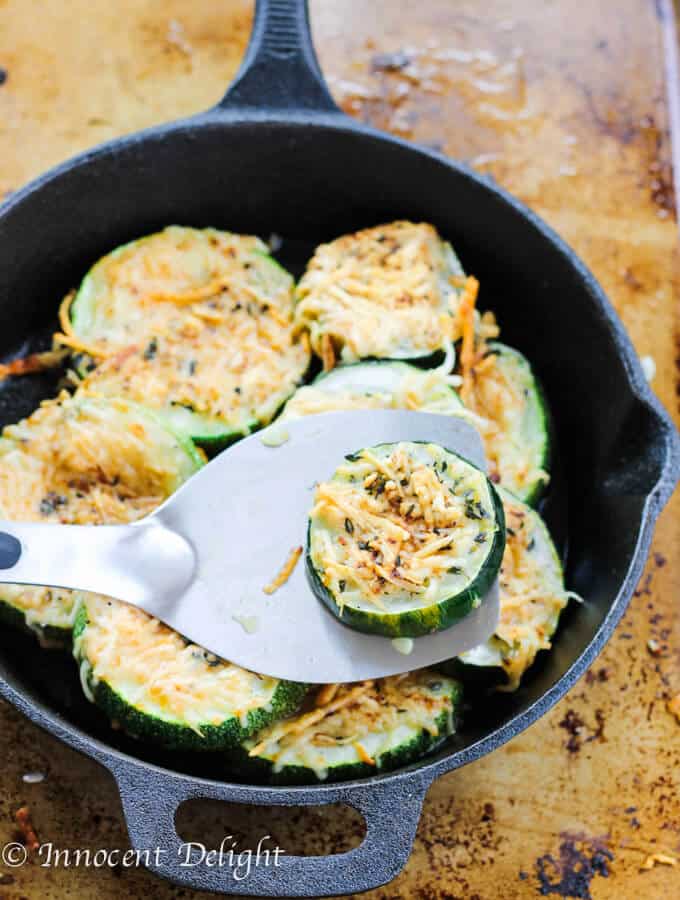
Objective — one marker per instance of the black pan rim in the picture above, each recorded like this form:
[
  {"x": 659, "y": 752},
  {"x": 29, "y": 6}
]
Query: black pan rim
[{"x": 424, "y": 771}]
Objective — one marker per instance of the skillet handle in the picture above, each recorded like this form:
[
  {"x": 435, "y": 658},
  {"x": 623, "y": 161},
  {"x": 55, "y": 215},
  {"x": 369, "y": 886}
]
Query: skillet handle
[
  {"x": 280, "y": 70},
  {"x": 391, "y": 809}
]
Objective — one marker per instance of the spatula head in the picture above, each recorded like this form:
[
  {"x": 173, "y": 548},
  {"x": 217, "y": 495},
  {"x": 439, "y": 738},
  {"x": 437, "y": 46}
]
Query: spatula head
[{"x": 248, "y": 509}]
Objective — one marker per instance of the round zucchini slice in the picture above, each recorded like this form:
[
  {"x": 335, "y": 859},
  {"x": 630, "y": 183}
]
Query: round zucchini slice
[
  {"x": 160, "y": 688},
  {"x": 354, "y": 730},
  {"x": 405, "y": 539},
  {"x": 389, "y": 292},
  {"x": 83, "y": 460},
  {"x": 378, "y": 384},
  {"x": 532, "y": 597},
  {"x": 514, "y": 421},
  {"x": 195, "y": 323}
]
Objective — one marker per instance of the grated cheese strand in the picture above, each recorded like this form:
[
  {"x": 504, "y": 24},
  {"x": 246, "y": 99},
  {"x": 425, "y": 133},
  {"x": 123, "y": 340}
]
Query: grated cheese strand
[
  {"x": 285, "y": 572},
  {"x": 466, "y": 317}
]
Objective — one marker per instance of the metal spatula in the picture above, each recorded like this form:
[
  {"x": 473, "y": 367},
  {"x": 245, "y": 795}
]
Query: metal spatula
[{"x": 201, "y": 560}]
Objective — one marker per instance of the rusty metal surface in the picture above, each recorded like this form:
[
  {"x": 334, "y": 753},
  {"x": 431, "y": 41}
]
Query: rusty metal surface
[{"x": 565, "y": 104}]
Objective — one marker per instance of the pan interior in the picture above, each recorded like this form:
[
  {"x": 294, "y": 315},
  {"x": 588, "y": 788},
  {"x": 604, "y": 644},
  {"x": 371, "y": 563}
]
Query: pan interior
[{"x": 308, "y": 183}]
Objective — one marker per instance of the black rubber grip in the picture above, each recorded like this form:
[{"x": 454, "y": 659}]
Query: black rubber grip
[{"x": 10, "y": 550}]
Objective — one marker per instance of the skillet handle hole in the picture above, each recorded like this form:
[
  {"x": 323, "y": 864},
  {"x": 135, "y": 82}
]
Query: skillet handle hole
[{"x": 297, "y": 830}]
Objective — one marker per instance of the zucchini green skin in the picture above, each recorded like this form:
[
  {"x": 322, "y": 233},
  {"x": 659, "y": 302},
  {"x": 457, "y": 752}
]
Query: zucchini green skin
[
  {"x": 422, "y": 742},
  {"x": 481, "y": 669},
  {"x": 419, "y": 622},
  {"x": 477, "y": 679},
  {"x": 174, "y": 735},
  {"x": 540, "y": 424},
  {"x": 50, "y": 637},
  {"x": 208, "y": 434}
]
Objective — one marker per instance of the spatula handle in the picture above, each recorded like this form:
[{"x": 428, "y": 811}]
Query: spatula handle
[{"x": 145, "y": 564}]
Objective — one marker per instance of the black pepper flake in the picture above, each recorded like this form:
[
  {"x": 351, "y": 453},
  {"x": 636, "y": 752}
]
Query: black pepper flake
[
  {"x": 474, "y": 510},
  {"x": 192, "y": 367},
  {"x": 377, "y": 487},
  {"x": 481, "y": 538},
  {"x": 51, "y": 502},
  {"x": 364, "y": 545},
  {"x": 151, "y": 349},
  {"x": 342, "y": 584},
  {"x": 237, "y": 390},
  {"x": 531, "y": 544},
  {"x": 3, "y": 75},
  {"x": 349, "y": 526},
  {"x": 455, "y": 570}
]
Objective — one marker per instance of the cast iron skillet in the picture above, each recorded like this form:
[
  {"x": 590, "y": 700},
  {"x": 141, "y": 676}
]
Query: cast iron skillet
[{"x": 276, "y": 155}]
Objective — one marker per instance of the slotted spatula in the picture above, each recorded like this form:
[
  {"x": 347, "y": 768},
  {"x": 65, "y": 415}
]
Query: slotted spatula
[{"x": 200, "y": 561}]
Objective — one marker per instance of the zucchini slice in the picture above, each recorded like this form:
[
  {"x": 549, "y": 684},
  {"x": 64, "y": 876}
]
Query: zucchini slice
[
  {"x": 83, "y": 460},
  {"x": 514, "y": 422},
  {"x": 385, "y": 292},
  {"x": 532, "y": 597},
  {"x": 160, "y": 688},
  {"x": 405, "y": 539},
  {"x": 195, "y": 323},
  {"x": 378, "y": 384},
  {"x": 355, "y": 730}
]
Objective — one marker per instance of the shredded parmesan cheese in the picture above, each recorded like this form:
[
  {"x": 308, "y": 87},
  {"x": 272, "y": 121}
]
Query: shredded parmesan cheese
[
  {"x": 68, "y": 338},
  {"x": 85, "y": 462},
  {"x": 402, "y": 523},
  {"x": 499, "y": 390},
  {"x": 389, "y": 291},
  {"x": 34, "y": 362},
  {"x": 193, "y": 322},
  {"x": 358, "y": 723},
  {"x": 159, "y": 673},
  {"x": 532, "y": 595},
  {"x": 388, "y": 385},
  {"x": 466, "y": 316},
  {"x": 658, "y": 859},
  {"x": 673, "y": 707},
  {"x": 285, "y": 572}
]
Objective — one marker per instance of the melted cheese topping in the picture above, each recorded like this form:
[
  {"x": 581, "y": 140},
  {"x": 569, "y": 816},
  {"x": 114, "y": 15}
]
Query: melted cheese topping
[
  {"x": 532, "y": 595},
  {"x": 401, "y": 525},
  {"x": 501, "y": 392},
  {"x": 409, "y": 388},
  {"x": 83, "y": 461},
  {"x": 389, "y": 291},
  {"x": 354, "y": 723},
  {"x": 159, "y": 673},
  {"x": 42, "y": 608},
  {"x": 198, "y": 321}
]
